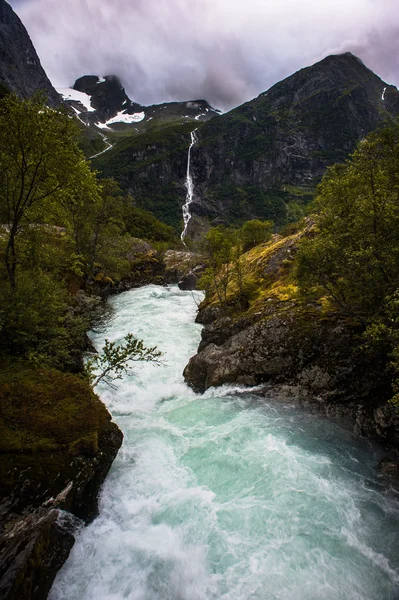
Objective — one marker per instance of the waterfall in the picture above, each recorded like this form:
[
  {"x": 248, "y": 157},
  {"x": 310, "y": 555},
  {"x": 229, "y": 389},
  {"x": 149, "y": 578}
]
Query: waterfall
[{"x": 189, "y": 187}]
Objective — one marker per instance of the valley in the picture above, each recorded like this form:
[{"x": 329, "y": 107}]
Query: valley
[{"x": 199, "y": 332}]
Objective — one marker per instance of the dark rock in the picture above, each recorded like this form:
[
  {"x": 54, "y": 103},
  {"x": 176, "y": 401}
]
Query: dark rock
[
  {"x": 65, "y": 442},
  {"x": 178, "y": 263},
  {"x": 318, "y": 360},
  {"x": 389, "y": 470},
  {"x": 219, "y": 331},
  {"x": 20, "y": 68},
  {"x": 208, "y": 315},
  {"x": 188, "y": 282},
  {"x": 57, "y": 444},
  {"x": 108, "y": 97},
  {"x": 32, "y": 550}
]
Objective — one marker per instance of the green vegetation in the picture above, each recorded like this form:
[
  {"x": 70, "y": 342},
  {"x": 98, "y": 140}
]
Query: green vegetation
[
  {"x": 50, "y": 424},
  {"x": 65, "y": 236},
  {"x": 353, "y": 257},
  {"x": 156, "y": 145},
  {"x": 341, "y": 265},
  {"x": 226, "y": 276},
  {"x": 255, "y": 232},
  {"x": 114, "y": 360}
]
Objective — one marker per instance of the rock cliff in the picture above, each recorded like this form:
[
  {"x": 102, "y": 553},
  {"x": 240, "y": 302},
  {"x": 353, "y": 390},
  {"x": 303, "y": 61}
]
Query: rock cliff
[
  {"x": 264, "y": 158},
  {"x": 298, "y": 350},
  {"x": 20, "y": 68}
]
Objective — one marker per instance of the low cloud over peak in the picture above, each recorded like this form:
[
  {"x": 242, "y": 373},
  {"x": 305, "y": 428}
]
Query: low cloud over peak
[{"x": 226, "y": 51}]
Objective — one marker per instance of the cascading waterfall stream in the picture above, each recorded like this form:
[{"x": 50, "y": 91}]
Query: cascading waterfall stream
[
  {"x": 226, "y": 496},
  {"x": 189, "y": 187}
]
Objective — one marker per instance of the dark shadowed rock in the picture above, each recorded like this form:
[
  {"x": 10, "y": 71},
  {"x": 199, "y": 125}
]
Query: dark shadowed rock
[
  {"x": 32, "y": 550},
  {"x": 20, "y": 68},
  {"x": 57, "y": 444},
  {"x": 388, "y": 469},
  {"x": 188, "y": 282},
  {"x": 316, "y": 359}
]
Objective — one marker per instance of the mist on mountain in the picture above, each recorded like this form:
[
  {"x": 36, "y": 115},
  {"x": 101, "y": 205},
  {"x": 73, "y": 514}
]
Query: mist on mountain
[{"x": 227, "y": 52}]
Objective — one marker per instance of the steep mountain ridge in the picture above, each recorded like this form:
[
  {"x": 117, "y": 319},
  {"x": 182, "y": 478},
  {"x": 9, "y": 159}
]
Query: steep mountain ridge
[
  {"x": 264, "y": 158},
  {"x": 102, "y": 102},
  {"x": 20, "y": 68}
]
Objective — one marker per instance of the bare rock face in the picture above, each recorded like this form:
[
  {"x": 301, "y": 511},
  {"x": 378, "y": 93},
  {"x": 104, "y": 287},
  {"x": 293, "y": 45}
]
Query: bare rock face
[
  {"x": 190, "y": 280},
  {"x": 32, "y": 550},
  {"x": 316, "y": 359},
  {"x": 20, "y": 68}
]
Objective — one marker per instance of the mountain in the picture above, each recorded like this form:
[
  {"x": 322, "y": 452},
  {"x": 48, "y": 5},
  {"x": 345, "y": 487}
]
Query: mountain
[
  {"x": 264, "y": 158},
  {"x": 20, "y": 68},
  {"x": 103, "y": 102}
]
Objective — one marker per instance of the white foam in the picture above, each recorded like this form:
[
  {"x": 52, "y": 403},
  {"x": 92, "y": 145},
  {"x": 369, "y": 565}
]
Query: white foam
[{"x": 224, "y": 496}]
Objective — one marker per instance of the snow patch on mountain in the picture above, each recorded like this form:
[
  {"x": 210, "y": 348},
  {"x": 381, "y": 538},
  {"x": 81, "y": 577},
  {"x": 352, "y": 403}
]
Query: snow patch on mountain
[
  {"x": 123, "y": 117},
  {"x": 71, "y": 94}
]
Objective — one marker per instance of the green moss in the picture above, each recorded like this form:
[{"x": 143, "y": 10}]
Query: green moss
[
  {"x": 49, "y": 423},
  {"x": 43, "y": 410}
]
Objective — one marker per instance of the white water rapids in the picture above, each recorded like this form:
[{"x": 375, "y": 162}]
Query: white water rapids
[
  {"x": 226, "y": 495},
  {"x": 189, "y": 187}
]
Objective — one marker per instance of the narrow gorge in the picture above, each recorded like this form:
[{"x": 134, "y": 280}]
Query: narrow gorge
[{"x": 227, "y": 494}]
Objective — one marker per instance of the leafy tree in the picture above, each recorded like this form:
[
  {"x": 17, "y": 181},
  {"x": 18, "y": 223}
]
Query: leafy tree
[
  {"x": 219, "y": 247},
  {"x": 96, "y": 224},
  {"x": 255, "y": 232},
  {"x": 354, "y": 256},
  {"x": 40, "y": 162},
  {"x": 113, "y": 362},
  {"x": 40, "y": 321}
]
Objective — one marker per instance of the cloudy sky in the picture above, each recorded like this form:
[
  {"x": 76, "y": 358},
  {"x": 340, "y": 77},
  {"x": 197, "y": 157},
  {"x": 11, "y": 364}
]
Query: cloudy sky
[{"x": 226, "y": 51}]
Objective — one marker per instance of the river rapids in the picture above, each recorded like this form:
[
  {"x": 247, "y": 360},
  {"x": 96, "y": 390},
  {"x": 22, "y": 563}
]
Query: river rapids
[{"x": 226, "y": 495}]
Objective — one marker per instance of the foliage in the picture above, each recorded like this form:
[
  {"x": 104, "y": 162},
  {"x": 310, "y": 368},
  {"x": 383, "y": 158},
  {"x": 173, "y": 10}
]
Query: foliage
[
  {"x": 39, "y": 163},
  {"x": 39, "y": 321},
  {"x": 143, "y": 224},
  {"x": 255, "y": 232},
  {"x": 113, "y": 362},
  {"x": 218, "y": 246},
  {"x": 62, "y": 230},
  {"x": 224, "y": 248},
  {"x": 355, "y": 255}
]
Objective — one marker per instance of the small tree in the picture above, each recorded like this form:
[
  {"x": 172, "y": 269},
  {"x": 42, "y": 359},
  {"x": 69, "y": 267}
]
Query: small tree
[
  {"x": 255, "y": 232},
  {"x": 219, "y": 247},
  {"x": 114, "y": 360},
  {"x": 355, "y": 255},
  {"x": 40, "y": 162}
]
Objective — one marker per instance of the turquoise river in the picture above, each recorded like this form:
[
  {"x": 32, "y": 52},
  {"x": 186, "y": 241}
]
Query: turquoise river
[{"x": 226, "y": 495}]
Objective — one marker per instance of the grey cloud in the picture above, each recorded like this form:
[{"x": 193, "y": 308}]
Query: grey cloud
[{"x": 226, "y": 51}]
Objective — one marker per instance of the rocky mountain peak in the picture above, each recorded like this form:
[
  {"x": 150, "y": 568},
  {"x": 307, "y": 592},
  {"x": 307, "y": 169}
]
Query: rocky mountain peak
[
  {"x": 20, "y": 68},
  {"x": 103, "y": 102},
  {"x": 108, "y": 96}
]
